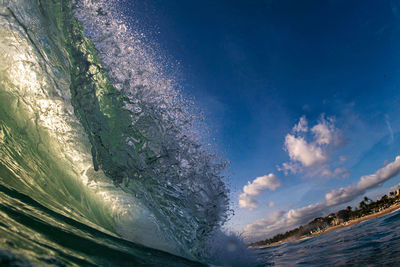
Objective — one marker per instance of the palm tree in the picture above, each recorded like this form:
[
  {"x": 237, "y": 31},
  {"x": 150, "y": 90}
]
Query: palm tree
[{"x": 362, "y": 205}]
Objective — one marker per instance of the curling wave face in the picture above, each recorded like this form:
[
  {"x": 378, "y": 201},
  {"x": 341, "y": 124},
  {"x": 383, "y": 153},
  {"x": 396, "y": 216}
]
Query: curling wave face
[{"x": 91, "y": 128}]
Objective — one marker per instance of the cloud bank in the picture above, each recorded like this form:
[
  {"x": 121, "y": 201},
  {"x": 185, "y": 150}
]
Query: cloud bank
[{"x": 264, "y": 228}]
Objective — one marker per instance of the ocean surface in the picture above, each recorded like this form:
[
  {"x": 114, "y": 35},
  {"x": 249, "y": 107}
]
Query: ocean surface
[
  {"x": 375, "y": 242},
  {"x": 103, "y": 162}
]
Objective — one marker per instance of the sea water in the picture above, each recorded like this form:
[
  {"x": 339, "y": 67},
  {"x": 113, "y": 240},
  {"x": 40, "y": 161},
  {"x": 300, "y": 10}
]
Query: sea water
[{"x": 375, "y": 242}]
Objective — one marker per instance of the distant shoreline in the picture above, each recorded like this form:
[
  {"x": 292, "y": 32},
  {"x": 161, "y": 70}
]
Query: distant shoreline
[{"x": 378, "y": 214}]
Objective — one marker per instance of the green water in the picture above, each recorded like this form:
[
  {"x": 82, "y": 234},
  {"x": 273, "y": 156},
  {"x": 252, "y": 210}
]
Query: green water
[{"x": 31, "y": 234}]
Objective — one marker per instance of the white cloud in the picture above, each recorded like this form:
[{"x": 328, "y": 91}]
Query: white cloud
[
  {"x": 247, "y": 202},
  {"x": 265, "y": 228},
  {"x": 289, "y": 167},
  {"x": 255, "y": 188},
  {"x": 302, "y": 126},
  {"x": 389, "y": 126},
  {"x": 306, "y": 152},
  {"x": 296, "y": 217},
  {"x": 261, "y": 228},
  {"x": 323, "y": 132},
  {"x": 338, "y": 172},
  {"x": 260, "y": 183},
  {"x": 300, "y": 150},
  {"x": 271, "y": 204}
]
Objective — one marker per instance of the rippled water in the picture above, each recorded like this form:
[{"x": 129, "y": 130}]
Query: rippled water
[{"x": 369, "y": 243}]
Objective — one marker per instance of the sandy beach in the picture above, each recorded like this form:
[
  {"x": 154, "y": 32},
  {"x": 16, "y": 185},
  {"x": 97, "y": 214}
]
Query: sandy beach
[{"x": 381, "y": 213}]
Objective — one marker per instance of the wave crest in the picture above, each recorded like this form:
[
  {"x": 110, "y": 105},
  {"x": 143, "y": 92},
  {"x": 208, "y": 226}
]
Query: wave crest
[{"x": 142, "y": 132}]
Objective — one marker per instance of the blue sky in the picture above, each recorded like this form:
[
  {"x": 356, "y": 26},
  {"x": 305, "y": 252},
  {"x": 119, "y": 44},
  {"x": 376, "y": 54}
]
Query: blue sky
[{"x": 255, "y": 68}]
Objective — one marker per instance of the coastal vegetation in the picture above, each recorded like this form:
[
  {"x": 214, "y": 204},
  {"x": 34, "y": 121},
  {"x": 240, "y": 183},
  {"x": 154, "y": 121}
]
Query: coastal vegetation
[{"x": 342, "y": 217}]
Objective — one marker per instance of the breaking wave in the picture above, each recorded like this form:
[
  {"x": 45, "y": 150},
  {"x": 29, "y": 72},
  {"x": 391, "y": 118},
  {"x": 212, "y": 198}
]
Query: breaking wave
[{"x": 93, "y": 128}]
